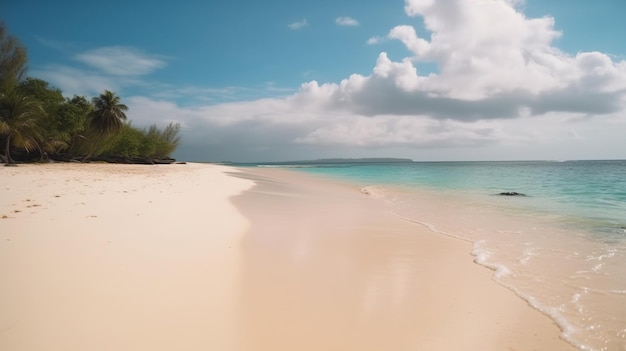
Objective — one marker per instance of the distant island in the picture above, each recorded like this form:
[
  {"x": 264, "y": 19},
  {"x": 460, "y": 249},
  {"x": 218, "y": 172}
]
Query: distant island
[{"x": 342, "y": 160}]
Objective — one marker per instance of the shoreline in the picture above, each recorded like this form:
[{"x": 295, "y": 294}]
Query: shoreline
[
  {"x": 203, "y": 256},
  {"x": 397, "y": 282}
]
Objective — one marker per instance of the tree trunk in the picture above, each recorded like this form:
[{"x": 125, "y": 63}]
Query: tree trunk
[
  {"x": 43, "y": 156},
  {"x": 7, "y": 154},
  {"x": 93, "y": 148}
]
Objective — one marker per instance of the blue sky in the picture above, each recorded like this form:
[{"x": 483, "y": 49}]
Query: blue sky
[{"x": 280, "y": 80}]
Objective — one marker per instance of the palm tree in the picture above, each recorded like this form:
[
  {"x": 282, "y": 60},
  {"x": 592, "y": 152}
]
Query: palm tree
[
  {"x": 105, "y": 120},
  {"x": 19, "y": 122},
  {"x": 108, "y": 114}
]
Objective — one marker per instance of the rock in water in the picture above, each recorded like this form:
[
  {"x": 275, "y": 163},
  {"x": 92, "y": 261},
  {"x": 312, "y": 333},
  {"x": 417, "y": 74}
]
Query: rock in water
[{"x": 511, "y": 193}]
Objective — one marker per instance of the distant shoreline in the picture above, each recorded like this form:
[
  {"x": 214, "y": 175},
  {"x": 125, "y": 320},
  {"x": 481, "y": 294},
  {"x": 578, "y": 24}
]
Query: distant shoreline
[
  {"x": 382, "y": 160},
  {"x": 334, "y": 161}
]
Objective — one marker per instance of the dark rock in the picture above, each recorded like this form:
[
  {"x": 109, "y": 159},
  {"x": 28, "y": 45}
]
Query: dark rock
[
  {"x": 163, "y": 161},
  {"x": 511, "y": 193}
]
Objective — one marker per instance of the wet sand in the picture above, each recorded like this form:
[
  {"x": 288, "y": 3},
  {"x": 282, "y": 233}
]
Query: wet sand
[
  {"x": 119, "y": 257},
  {"x": 325, "y": 267}
]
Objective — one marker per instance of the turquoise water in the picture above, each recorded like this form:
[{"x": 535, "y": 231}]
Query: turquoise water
[
  {"x": 562, "y": 247},
  {"x": 591, "y": 190}
]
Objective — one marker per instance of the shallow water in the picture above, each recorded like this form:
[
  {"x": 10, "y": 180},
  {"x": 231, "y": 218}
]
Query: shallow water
[{"x": 562, "y": 247}]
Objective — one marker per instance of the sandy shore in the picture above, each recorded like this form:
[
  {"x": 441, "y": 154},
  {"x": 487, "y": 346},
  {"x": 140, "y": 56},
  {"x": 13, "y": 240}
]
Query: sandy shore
[
  {"x": 115, "y": 257},
  {"x": 118, "y": 257}
]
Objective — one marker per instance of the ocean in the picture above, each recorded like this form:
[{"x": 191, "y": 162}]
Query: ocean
[{"x": 561, "y": 245}]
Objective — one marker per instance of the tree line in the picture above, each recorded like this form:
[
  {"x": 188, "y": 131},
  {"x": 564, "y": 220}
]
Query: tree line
[{"x": 38, "y": 123}]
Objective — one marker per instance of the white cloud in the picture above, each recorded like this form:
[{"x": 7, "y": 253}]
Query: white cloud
[
  {"x": 112, "y": 68},
  {"x": 54, "y": 44},
  {"x": 299, "y": 24},
  {"x": 197, "y": 96},
  {"x": 492, "y": 61},
  {"x": 74, "y": 81},
  {"x": 400, "y": 131},
  {"x": 375, "y": 40},
  {"x": 121, "y": 61},
  {"x": 346, "y": 21}
]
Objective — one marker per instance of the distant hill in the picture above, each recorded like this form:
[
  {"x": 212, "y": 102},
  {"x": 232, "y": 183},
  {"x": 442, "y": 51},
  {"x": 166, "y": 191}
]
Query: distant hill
[{"x": 343, "y": 160}]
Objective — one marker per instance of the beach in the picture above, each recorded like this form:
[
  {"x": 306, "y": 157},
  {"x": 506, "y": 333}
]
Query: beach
[{"x": 209, "y": 257}]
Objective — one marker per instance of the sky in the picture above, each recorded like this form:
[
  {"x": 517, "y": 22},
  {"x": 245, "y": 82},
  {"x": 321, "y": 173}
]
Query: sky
[{"x": 278, "y": 80}]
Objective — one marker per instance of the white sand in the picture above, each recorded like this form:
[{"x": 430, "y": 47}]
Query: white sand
[{"x": 118, "y": 257}]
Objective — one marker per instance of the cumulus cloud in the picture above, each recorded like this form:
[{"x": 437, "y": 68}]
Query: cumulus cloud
[
  {"x": 346, "y": 21},
  {"x": 493, "y": 62},
  {"x": 485, "y": 50},
  {"x": 299, "y": 24}
]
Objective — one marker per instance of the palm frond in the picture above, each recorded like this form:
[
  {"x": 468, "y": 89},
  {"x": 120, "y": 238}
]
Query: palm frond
[{"x": 108, "y": 114}]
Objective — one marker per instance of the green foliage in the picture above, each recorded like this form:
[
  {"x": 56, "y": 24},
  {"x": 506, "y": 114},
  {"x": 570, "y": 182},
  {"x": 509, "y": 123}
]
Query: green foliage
[
  {"x": 77, "y": 127},
  {"x": 104, "y": 123},
  {"x": 127, "y": 143},
  {"x": 108, "y": 114},
  {"x": 55, "y": 137},
  {"x": 71, "y": 123},
  {"x": 150, "y": 143},
  {"x": 40, "y": 90},
  {"x": 13, "y": 60},
  {"x": 36, "y": 116},
  {"x": 162, "y": 143},
  {"x": 20, "y": 120},
  {"x": 72, "y": 115}
]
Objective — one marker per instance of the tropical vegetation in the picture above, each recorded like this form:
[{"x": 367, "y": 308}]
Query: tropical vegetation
[{"x": 37, "y": 122}]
